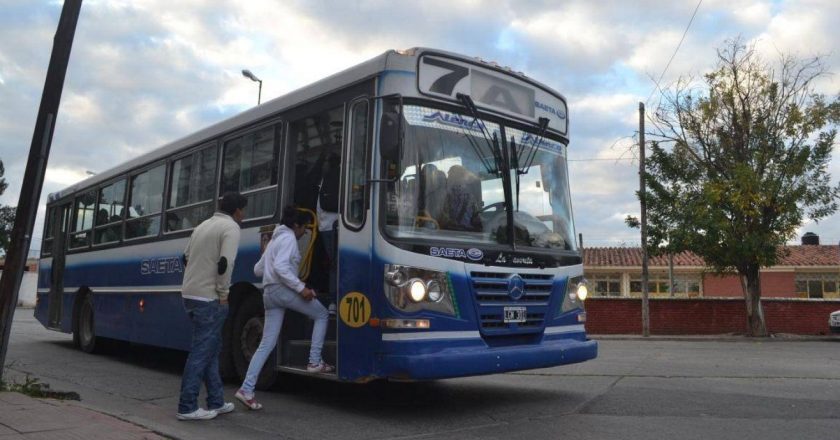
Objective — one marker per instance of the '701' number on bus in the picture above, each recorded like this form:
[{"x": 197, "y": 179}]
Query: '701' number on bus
[{"x": 354, "y": 309}]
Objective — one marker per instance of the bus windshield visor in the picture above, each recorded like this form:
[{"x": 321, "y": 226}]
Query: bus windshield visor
[{"x": 450, "y": 187}]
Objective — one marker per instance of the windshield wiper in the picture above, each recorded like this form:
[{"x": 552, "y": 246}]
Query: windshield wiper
[
  {"x": 492, "y": 146},
  {"x": 514, "y": 162},
  {"x": 532, "y": 153},
  {"x": 516, "y": 157},
  {"x": 477, "y": 150}
]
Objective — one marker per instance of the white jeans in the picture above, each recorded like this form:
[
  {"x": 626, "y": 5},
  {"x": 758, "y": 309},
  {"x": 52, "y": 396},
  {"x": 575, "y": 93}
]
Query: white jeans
[{"x": 284, "y": 299}]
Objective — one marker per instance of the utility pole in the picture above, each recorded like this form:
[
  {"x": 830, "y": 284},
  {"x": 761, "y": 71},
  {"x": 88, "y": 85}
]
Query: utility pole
[
  {"x": 36, "y": 165},
  {"x": 645, "y": 295}
]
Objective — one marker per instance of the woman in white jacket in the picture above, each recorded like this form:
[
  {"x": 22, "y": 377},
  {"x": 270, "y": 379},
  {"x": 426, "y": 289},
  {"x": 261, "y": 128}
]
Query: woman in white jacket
[{"x": 282, "y": 289}]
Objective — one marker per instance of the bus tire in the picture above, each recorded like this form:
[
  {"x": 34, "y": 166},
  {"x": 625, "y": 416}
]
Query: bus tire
[
  {"x": 226, "y": 367},
  {"x": 84, "y": 328},
  {"x": 247, "y": 333},
  {"x": 77, "y": 304}
]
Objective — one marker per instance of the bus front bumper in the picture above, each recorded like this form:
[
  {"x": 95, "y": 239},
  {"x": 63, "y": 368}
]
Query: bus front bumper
[{"x": 477, "y": 360}]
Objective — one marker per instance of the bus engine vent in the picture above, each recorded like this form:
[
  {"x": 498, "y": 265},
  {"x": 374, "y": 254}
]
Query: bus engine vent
[{"x": 494, "y": 291}]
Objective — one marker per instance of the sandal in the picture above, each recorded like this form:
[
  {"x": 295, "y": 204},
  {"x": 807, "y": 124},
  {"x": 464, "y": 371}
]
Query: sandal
[{"x": 250, "y": 402}]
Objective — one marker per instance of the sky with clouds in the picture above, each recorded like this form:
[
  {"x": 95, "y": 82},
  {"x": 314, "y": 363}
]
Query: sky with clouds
[{"x": 146, "y": 72}]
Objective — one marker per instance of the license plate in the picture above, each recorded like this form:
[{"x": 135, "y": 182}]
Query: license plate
[{"x": 514, "y": 314}]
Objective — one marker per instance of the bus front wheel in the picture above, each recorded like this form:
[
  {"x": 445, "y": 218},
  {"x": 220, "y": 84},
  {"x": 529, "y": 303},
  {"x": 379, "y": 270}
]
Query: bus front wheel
[{"x": 247, "y": 333}]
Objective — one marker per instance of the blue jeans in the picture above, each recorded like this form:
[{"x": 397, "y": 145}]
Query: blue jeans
[
  {"x": 203, "y": 362},
  {"x": 277, "y": 299}
]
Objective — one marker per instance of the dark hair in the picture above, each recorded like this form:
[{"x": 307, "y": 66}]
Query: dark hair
[
  {"x": 291, "y": 217},
  {"x": 231, "y": 201}
]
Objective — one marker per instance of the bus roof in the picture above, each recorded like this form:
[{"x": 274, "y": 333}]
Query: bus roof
[{"x": 391, "y": 59}]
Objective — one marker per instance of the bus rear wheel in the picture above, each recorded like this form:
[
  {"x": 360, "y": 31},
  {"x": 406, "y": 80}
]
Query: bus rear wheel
[
  {"x": 84, "y": 335},
  {"x": 247, "y": 333}
]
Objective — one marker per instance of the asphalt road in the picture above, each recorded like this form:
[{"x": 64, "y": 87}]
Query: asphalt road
[{"x": 636, "y": 389}]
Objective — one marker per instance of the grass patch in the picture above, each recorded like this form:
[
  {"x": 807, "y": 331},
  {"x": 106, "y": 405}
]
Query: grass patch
[{"x": 33, "y": 387}]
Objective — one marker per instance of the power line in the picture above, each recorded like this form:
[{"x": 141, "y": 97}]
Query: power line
[{"x": 656, "y": 86}]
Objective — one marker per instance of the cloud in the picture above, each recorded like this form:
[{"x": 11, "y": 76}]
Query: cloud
[
  {"x": 64, "y": 176},
  {"x": 146, "y": 72}
]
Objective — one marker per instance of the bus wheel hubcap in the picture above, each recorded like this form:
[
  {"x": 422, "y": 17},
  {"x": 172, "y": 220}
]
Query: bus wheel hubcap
[{"x": 251, "y": 336}]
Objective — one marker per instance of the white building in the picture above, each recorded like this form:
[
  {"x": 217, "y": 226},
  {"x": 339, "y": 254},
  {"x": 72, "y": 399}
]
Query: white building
[{"x": 28, "y": 284}]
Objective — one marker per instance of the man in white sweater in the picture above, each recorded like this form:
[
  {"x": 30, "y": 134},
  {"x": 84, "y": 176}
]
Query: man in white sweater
[{"x": 209, "y": 258}]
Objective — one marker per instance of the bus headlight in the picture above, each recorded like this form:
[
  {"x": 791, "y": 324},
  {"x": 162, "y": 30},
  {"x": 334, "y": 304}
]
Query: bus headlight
[
  {"x": 435, "y": 291},
  {"x": 577, "y": 289},
  {"x": 395, "y": 277},
  {"x": 411, "y": 289},
  {"x": 416, "y": 290},
  {"x": 582, "y": 291}
]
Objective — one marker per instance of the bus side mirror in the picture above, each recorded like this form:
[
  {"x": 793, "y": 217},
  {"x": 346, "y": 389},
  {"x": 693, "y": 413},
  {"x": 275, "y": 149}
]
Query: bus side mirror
[{"x": 389, "y": 136}]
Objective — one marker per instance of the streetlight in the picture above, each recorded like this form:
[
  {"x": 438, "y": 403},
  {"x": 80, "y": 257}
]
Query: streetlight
[{"x": 247, "y": 74}]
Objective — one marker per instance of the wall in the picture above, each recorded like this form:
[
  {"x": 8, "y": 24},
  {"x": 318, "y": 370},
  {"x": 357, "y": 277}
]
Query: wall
[
  {"x": 703, "y": 316},
  {"x": 773, "y": 285},
  {"x": 778, "y": 285},
  {"x": 28, "y": 288},
  {"x": 721, "y": 285}
]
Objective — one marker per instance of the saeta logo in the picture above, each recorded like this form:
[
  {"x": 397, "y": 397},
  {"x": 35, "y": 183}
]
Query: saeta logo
[{"x": 475, "y": 254}]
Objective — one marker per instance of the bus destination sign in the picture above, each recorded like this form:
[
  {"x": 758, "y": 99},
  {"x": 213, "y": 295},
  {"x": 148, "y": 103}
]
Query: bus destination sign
[{"x": 446, "y": 77}]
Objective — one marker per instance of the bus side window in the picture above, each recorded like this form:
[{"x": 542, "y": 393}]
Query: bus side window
[
  {"x": 83, "y": 209},
  {"x": 191, "y": 198},
  {"x": 49, "y": 233},
  {"x": 109, "y": 214},
  {"x": 144, "y": 203},
  {"x": 315, "y": 143},
  {"x": 356, "y": 187},
  {"x": 249, "y": 166}
]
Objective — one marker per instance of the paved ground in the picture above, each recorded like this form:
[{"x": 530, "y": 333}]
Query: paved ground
[
  {"x": 637, "y": 389},
  {"x": 25, "y": 418}
]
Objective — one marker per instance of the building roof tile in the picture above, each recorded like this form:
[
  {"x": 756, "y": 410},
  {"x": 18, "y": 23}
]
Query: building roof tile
[{"x": 789, "y": 256}]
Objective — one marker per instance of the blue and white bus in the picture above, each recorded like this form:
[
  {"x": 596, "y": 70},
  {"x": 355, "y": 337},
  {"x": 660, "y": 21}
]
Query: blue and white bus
[{"x": 456, "y": 250}]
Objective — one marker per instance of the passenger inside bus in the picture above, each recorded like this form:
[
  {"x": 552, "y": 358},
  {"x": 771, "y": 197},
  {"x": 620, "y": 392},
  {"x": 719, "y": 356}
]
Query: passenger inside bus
[
  {"x": 463, "y": 200},
  {"x": 102, "y": 217},
  {"x": 434, "y": 191},
  {"x": 328, "y": 212}
]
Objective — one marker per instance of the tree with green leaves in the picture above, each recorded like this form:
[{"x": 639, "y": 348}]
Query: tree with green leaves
[
  {"x": 739, "y": 161},
  {"x": 7, "y": 215}
]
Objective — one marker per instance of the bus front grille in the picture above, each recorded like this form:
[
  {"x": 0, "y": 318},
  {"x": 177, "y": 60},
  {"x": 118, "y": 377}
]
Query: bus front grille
[{"x": 492, "y": 295}]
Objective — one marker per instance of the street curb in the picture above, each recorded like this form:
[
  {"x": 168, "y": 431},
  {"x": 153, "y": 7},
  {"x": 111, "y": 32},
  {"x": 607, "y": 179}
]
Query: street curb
[
  {"x": 778, "y": 337},
  {"x": 43, "y": 409},
  {"x": 123, "y": 419}
]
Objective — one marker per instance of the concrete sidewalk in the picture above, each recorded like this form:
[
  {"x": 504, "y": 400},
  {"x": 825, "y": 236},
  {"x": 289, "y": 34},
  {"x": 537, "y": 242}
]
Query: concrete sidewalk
[
  {"x": 727, "y": 337},
  {"x": 24, "y": 417}
]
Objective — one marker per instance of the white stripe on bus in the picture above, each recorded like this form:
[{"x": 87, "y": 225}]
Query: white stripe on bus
[
  {"x": 128, "y": 289},
  {"x": 577, "y": 328},
  {"x": 425, "y": 336},
  {"x": 120, "y": 289}
]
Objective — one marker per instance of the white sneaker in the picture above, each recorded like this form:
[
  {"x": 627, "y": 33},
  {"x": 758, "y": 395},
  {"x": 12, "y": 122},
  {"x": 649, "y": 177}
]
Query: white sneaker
[
  {"x": 224, "y": 409},
  {"x": 323, "y": 367},
  {"x": 199, "y": 414}
]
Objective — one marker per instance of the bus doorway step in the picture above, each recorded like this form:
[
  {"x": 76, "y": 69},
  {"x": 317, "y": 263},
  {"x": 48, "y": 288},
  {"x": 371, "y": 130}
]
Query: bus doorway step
[{"x": 297, "y": 353}]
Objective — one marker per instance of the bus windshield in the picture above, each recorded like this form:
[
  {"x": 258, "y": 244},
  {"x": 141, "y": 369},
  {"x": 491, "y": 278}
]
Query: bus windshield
[{"x": 450, "y": 184}]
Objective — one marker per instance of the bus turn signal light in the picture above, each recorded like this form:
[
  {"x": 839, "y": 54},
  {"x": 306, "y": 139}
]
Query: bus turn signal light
[{"x": 405, "y": 323}]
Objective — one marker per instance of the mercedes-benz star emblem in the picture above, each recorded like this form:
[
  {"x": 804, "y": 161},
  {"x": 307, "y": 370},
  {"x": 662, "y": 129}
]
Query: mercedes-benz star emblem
[{"x": 516, "y": 287}]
